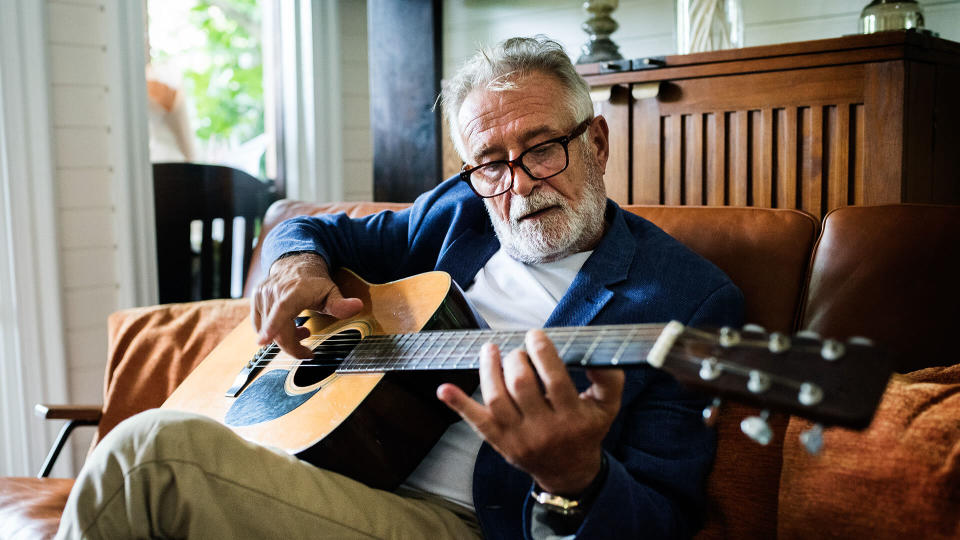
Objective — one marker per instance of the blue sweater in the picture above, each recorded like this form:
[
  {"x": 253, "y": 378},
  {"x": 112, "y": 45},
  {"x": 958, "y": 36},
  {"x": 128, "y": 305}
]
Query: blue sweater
[{"x": 658, "y": 450}]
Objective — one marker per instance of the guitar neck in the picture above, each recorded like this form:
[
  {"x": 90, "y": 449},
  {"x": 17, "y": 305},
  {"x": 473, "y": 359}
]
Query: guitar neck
[{"x": 593, "y": 346}]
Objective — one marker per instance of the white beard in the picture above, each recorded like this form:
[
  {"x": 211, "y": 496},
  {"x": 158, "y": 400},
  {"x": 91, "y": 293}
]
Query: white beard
[{"x": 557, "y": 234}]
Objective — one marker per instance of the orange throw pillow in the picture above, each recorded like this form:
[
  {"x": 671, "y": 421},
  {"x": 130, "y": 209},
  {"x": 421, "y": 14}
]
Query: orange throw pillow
[{"x": 899, "y": 478}]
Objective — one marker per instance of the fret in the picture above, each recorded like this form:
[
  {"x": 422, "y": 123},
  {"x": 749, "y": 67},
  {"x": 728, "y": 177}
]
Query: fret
[
  {"x": 570, "y": 340},
  {"x": 616, "y": 356},
  {"x": 443, "y": 357},
  {"x": 596, "y": 341},
  {"x": 473, "y": 346},
  {"x": 424, "y": 357},
  {"x": 420, "y": 340},
  {"x": 456, "y": 353},
  {"x": 517, "y": 339},
  {"x": 400, "y": 347}
]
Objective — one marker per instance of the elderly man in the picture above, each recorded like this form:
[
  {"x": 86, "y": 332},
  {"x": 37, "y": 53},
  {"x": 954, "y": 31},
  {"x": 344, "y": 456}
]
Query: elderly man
[{"x": 527, "y": 231}]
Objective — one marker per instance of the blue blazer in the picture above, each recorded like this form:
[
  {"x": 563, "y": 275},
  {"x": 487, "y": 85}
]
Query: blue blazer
[{"x": 658, "y": 451}]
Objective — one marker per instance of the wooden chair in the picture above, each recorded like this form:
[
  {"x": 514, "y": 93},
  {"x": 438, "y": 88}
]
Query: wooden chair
[{"x": 198, "y": 230}]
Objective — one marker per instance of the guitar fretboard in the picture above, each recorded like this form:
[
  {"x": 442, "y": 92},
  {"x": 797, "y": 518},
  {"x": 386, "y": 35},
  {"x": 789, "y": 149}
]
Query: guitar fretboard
[{"x": 592, "y": 346}]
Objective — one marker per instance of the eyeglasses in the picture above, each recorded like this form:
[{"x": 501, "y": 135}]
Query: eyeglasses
[{"x": 540, "y": 161}]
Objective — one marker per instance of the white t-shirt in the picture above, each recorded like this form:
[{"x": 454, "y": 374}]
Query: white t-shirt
[{"x": 510, "y": 295}]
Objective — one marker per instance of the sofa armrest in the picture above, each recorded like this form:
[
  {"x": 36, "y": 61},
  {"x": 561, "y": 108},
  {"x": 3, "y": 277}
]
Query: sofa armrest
[
  {"x": 85, "y": 413},
  {"x": 76, "y": 416},
  {"x": 152, "y": 349}
]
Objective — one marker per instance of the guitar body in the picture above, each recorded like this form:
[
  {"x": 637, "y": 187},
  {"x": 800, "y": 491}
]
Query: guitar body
[{"x": 372, "y": 427}]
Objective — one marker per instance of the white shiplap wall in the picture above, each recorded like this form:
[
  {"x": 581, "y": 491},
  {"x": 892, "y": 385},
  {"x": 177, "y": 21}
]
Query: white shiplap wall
[
  {"x": 77, "y": 34},
  {"x": 647, "y": 27},
  {"x": 354, "y": 84}
]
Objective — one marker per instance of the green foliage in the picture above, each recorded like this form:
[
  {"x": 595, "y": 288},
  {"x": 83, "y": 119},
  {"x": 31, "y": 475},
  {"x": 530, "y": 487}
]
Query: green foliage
[{"x": 228, "y": 94}]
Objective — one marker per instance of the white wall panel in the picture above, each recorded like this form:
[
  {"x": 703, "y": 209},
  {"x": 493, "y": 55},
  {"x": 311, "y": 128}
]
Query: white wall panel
[
  {"x": 90, "y": 346},
  {"x": 79, "y": 106},
  {"x": 73, "y": 64},
  {"x": 85, "y": 188},
  {"x": 87, "y": 228},
  {"x": 89, "y": 308},
  {"x": 82, "y": 147},
  {"x": 77, "y": 24},
  {"x": 83, "y": 268}
]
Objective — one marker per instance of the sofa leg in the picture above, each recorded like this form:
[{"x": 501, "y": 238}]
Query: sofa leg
[{"x": 58, "y": 445}]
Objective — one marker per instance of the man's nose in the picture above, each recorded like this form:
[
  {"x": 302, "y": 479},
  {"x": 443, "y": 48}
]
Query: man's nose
[{"x": 522, "y": 183}]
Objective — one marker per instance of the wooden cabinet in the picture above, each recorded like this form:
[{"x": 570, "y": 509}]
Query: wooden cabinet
[{"x": 814, "y": 125}]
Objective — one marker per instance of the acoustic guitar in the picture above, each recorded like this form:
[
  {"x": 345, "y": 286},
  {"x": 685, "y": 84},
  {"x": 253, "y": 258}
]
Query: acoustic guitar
[{"x": 365, "y": 405}]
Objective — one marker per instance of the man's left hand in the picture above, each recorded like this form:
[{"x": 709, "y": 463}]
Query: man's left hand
[{"x": 533, "y": 416}]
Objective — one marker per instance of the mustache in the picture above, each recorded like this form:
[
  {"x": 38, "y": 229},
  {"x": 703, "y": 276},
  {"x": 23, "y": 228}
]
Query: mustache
[{"x": 536, "y": 201}]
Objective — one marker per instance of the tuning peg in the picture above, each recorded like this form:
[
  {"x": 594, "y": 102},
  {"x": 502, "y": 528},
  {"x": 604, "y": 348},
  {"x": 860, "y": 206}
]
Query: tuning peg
[
  {"x": 712, "y": 412},
  {"x": 778, "y": 343},
  {"x": 729, "y": 337},
  {"x": 860, "y": 340},
  {"x": 754, "y": 328},
  {"x": 832, "y": 350},
  {"x": 759, "y": 382},
  {"x": 810, "y": 394},
  {"x": 808, "y": 334},
  {"x": 710, "y": 369},
  {"x": 812, "y": 439},
  {"x": 757, "y": 428}
]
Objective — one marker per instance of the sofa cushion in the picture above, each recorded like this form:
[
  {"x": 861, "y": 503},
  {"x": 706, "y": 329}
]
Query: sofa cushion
[
  {"x": 152, "y": 349},
  {"x": 30, "y": 507},
  {"x": 900, "y": 478},
  {"x": 873, "y": 266}
]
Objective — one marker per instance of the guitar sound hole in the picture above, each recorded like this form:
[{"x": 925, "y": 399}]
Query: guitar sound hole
[{"x": 327, "y": 357}]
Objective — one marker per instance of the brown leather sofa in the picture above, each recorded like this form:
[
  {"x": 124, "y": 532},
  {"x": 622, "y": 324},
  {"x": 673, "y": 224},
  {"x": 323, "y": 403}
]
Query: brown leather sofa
[{"x": 889, "y": 273}]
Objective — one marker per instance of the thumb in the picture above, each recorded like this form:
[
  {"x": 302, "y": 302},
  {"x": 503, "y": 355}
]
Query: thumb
[
  {"x": 340, "y": 307},
  {"x": 607, "y": 387}
]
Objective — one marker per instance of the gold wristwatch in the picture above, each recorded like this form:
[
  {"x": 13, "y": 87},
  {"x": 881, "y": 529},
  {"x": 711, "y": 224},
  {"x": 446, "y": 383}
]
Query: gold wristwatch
[{"x": 569, "y": 506}]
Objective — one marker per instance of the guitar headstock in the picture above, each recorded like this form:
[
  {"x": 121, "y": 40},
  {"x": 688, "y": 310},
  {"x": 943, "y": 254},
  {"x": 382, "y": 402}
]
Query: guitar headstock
[{"x": 825, "y": 380}]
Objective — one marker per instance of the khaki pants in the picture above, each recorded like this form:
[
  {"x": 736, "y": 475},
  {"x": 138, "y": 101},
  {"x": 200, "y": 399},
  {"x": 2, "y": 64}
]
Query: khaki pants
[{"x": 168, "y": 474}]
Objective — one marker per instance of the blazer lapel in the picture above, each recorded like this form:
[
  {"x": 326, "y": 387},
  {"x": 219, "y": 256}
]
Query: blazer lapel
[
  {"x": 467, "y": 255},
  {"x": 609, "y": 264}
]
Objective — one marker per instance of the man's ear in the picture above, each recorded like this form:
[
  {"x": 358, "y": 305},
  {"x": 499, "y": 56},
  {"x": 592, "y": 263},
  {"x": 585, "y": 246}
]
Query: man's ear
[{"x": 599, "y": 133}]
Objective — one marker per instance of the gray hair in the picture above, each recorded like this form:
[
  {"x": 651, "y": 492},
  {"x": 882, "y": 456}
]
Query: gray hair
[{"x": 497, "y": 68}]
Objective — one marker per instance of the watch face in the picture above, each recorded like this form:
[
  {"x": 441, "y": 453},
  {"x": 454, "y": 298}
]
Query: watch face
[{"x": 556, "y": 503}]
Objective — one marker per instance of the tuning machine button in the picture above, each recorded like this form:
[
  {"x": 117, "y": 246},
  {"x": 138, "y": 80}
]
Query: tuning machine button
[
  {"x": 754, "y": 328},
  {"x": 729, "y": 337},
  {"x": 808, "y": 334},
  {"x": 812, "y": 439},
  {"x": 712, "y": 412},
  {"x": 759, "y": 382},
  {"x": 860, "y": 340},
  {"x": 832, "y": 350},
  {"x": 810, "y": 394},
  {"x": 710, "y": 369},
  {"x": 757, "y": 428},
  {"x": 779, "y": 343}
]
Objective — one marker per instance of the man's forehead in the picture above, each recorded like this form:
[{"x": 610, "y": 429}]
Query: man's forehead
[{"x": 532, "y": 107}]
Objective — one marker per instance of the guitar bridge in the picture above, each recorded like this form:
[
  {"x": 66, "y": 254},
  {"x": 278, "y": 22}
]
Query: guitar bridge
[{"x": 250, "y": 370}]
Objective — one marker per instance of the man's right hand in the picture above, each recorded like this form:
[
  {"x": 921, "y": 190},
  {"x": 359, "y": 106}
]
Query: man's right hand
[{"x": 296, "y": 283}]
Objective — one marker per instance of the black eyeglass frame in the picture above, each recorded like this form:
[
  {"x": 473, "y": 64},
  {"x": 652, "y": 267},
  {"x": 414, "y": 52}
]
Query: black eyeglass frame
[{"x": 518, "y": 161}]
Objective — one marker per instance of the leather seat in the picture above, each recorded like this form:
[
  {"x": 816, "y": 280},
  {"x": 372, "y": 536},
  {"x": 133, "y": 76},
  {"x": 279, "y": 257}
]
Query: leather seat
[
  {"x": 30, "y": 507},
  {"x": 873, "y": 266}
]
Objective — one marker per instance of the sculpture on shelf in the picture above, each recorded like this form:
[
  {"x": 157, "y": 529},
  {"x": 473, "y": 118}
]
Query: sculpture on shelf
[
  {"x": 709, "y": 25},
  {"x": 599, "y": 48}
]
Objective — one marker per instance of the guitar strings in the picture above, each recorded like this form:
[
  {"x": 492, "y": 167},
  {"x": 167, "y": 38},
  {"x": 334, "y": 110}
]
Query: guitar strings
[{"x": 393, "y": 357}]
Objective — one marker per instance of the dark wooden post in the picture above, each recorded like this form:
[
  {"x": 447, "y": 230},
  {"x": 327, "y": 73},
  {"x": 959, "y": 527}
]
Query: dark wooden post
[{"x": 405, "y": 67}]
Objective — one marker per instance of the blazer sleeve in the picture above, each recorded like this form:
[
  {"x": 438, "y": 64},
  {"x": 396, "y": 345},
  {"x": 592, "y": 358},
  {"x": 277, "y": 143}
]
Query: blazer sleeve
[{"x": 384, "y": 246}]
